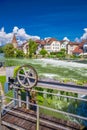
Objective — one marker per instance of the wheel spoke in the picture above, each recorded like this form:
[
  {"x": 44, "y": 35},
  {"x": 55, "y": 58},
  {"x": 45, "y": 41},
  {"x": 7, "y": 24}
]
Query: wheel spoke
[
  {"x": 31, "y": 77},
  {"x": 24, "y": 70},
  {"x": 22, "y": 75},
  {"x": 28, "y": 81}
]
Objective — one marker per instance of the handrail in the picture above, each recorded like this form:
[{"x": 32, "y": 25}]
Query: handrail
[
  {"x": 51, "y": 109},
  {"x": 6, "y": 108}
]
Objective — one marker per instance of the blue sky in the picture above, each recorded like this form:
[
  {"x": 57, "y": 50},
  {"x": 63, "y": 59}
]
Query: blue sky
[{"x": 45, "y": 18}]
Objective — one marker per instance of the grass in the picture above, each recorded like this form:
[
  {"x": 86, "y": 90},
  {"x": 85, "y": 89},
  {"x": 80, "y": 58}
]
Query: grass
[
  {"x": 58, "y": 103},
  {"x": 2, "y": 80}
]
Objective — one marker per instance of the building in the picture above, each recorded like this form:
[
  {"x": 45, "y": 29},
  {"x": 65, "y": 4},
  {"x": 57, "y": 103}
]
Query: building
[
  {"x": 54, "y": 45},
  {"x": 25, "y": 47},
  {"x": 71, "y": 46},
  {"x": 85, "y": 47},
  {"x": 64, "y": 44},
  {"x": 77, "y": 51}
]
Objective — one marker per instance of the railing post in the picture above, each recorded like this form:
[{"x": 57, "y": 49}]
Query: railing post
[
  {"x": 19, "y": 98},
  {"x": 27, "y": 99},
  {"x": 37, "y": 118},
  {"x": 15, "y": 96},
  {"x": 0, "y": 111}
]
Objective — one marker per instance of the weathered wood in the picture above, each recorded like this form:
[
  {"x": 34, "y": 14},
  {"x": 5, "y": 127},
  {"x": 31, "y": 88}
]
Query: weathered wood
[
  {"x": 26, "y": 123},
  {"x": 6, "y": 128}
]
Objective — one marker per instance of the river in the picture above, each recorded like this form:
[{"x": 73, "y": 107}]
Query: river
[{"x": 2, "y": 58}]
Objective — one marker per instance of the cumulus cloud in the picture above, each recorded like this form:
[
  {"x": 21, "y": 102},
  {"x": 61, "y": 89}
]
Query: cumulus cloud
[
  {"x": 77, "y": 39},
  {"x": 66, "y": 39},
  {"x": 21, "y": 36},
  {"x": 84, "y": 36},
  {"x": 15, "y": 29},
  {"x": 4, "y": 38}
]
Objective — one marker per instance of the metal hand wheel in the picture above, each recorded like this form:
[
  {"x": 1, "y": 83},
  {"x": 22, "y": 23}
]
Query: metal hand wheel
[{"x": 27, "y": 76}]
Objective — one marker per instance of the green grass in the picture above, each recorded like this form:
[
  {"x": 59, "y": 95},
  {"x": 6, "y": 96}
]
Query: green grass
[
  {"x": 2, "y": 80},
  {"x": 58, "y": 103}
]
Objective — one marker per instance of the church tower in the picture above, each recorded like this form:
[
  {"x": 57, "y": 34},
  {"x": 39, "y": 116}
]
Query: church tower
[{"x": 14, "y": 41}]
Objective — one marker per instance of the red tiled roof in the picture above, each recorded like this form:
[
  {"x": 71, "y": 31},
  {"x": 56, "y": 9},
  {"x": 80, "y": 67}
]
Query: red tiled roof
[
  {"x": 50, "y": 40},
  {"x": 46, "y": 41},
  {"x": 73, "y": 43},
  {"x": 78, "y": 50},
  {"x": 42, "y": 42}
]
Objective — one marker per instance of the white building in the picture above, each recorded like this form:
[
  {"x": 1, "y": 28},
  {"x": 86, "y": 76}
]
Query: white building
[
  {"x": 52, "y": 45},
  {"x": 64, "y": 44}
]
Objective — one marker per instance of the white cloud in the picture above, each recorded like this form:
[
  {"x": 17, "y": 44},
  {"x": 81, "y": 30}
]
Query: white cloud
[
  {"x": 21, "y": 36},
  {"x": 84, "y": 36},
  {"x": 4, "y": 38},
  {"x": 77, "y": 39},
  {"x": 66, "y": 39},
  {"x": 15, "y": 29}
]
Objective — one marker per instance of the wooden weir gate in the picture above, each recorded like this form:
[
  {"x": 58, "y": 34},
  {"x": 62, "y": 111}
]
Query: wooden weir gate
[{"x": 25, "y": 115}]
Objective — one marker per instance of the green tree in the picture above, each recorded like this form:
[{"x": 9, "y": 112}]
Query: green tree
[
  {"x": 9, "y": 50},
  {"x": 61, "y": 54},
  {"x": 43, "y": 52},
  {"x": 1, "y": 49},
  {"x": 32, "y": 48},
  {"x": 19, "y": 53}
]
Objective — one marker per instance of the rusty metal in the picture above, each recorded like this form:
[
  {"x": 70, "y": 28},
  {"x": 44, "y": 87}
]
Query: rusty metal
[{"x": 27, "y": 76}]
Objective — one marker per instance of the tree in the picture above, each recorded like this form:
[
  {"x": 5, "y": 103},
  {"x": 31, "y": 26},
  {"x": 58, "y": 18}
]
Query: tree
[
  {"x": 61, "y": 54},
  {"x": 32, "y": 48},
  {"x": 19, "y": 53},
  {"x": 9, "y": 50},
  {"x": 43, "y": 52},
  {"x": 1, "y": 49}
]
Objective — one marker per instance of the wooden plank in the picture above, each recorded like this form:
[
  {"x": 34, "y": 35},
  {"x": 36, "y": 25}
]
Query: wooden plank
[{"x": 25, "y": 123}]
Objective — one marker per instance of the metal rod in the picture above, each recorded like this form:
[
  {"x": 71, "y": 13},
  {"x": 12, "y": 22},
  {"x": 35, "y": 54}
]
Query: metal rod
[
  {"x": 57, "y": 94},
  {"x": 44, "y": 92},
  {"x": 27, "y": 99},
  {"x": 37, "y": 117},
  {"x": 15, "y": 96},
  {"x": 19, "y": 98},
  {"x": 0, "y": 111},
  {"x": 54, "y": 110}
]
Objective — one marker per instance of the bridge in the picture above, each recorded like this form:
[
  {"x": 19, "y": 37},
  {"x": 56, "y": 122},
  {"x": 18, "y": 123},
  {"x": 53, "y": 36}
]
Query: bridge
[{"x": 27, "y": 114}]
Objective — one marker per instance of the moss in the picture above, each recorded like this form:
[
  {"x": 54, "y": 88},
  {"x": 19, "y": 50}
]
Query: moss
[{"x": 16, "y": 70}]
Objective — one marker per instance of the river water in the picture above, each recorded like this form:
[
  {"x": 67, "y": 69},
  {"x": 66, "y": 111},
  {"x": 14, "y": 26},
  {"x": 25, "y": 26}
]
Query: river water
[{"x": 2, "y": 58}]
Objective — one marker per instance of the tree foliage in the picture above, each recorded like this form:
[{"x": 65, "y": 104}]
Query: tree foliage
[
  {"x": 19, "y": 53},
  {"x": 9, "y": 50},
  {"x": 32, "y": 48},
  {"x": 43, "y": 52},
  {"x": 1, "y": 49},
  {"x": 61, "y": 54}
]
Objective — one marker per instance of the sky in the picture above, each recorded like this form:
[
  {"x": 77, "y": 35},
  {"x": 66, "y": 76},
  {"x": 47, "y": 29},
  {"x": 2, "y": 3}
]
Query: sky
[{"x": 43, "y": 18}]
